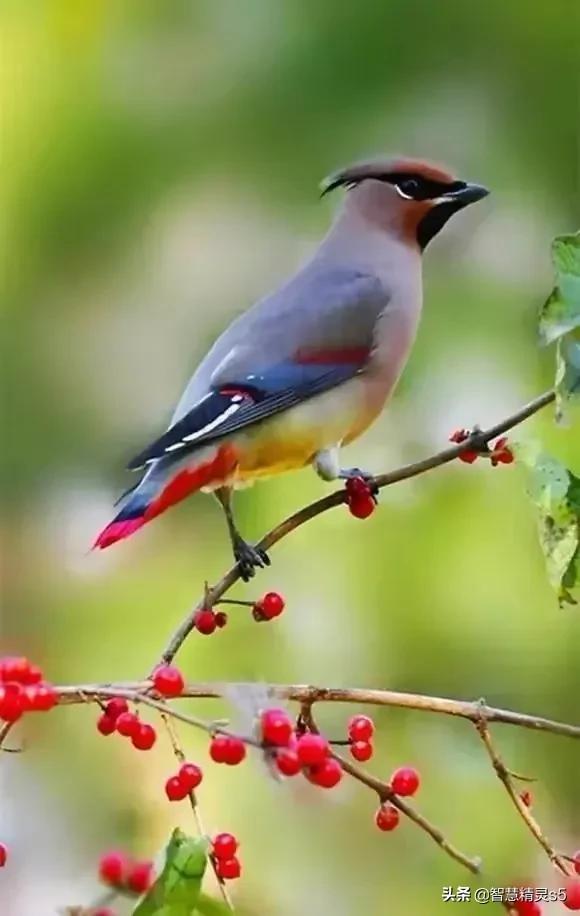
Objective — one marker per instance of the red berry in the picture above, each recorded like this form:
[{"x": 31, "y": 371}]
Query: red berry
[
  {"x": 116, "y": 707},
  {"x": 168, "y": 680},
  {"x": 205, "y": 622},
  {"x": 572, "y": 901},
  {"x": 33, "y": 675},
  {"x": 460, "y": 435},
  {"x": 103, "y": 911},
  {"x": 221, "y": 618},
  {"x": 41, "y": 697},
  {"x": 217, "y": 748},
  {"x": 361, "y": 506},
  {"x": 387, "y": 817},
  {"x": 190, "y": 775},
  {"x": 12, "y": 701},
  {"x": 468, "y": 457},
  {"x": 127, "y": 724},
  {"x": 405, "y": 781},
  {"x": 361, "y": 750},
  {"x": 527, "y": 908},
  {"x": 360, "y": 728},
  {"x": 140, "y": 877},
  {"x": 327, "y": 774},
  {"x": 576, "y": 862},
  {"x": 225, "y": 846},
  {"x": 356, "y": 487},
  {"x": 271, "y": 605},
  {"x": 175, "y": 789},
  {"x": 235, "y": 751},
  {"x": 287, "y": 762},
  {"x": 113, "y": 868},
  {"x": 14, "y": 668},
  {"x": 501, "y": 452},
  {"x": 311, "y": 749},
  {"x": 228, "y": 869},
  {"x": 3, "y": 855},
  {"x": 106, "y": 725},
  {"x": 144, "y": 737},
  {"x": 276, "y": 727}
]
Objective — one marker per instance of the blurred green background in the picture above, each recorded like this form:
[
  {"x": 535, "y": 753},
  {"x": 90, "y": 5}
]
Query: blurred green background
[{"x": 160, "y": 170}]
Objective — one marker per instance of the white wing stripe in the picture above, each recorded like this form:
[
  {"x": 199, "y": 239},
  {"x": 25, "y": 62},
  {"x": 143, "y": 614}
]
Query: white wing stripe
[{"x": 208, "y": 428}]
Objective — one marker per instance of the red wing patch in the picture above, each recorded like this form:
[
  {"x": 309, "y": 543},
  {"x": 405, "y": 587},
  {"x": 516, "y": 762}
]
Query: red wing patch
[{"x": 189, "y": 480}]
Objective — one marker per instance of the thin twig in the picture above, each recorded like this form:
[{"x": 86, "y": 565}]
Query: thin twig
[
  {"x": 304, "y": 694},
  {"x": 523, "y": 810},
  {"x": 4, "y": 732},
  {"x": 478, "y": 439},
  {"x": 385, "y": 793},
  {"x": 180, "y": 756}
]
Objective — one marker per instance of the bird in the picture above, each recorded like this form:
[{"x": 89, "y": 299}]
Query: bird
[{"x": 309, "y": 367}]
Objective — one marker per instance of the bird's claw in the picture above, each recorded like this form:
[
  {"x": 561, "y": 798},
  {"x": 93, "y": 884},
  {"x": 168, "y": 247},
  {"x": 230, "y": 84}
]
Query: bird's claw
[{"x": 249, "y": 558}]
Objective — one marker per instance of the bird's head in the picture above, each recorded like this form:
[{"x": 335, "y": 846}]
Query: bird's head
[{"x": 410, "y": 197}]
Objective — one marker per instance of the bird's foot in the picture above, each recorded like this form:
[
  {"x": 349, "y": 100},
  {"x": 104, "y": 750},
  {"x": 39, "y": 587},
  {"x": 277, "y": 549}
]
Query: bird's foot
[
  {"x": 353, "y": 473},
  {"x": 249, "y": 558}
]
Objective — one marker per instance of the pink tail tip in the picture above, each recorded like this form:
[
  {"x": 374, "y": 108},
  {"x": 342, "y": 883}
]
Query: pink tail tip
[{"x": 116, "y": 531}]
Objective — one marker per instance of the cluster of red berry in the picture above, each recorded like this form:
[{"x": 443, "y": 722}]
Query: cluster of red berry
[
  {"x": 225, "y": 861},
  {"x": 572, "y": 901},
  {"x": 117, "y": 718},
  {"x": 360, "y": 499},
  {"x": 227, "y": 749},
  {"x": 293, "y": 752},
  {"x": 207, "y": 621},
  {"x": 499, "y": 453},
  {"x": 360, "y": 731},
  {"x": 186, "y": 780},
  {"x": 124, "y": 874},
  {"x": 404, "y": 782},
  {"x": 22, "y": 689}
]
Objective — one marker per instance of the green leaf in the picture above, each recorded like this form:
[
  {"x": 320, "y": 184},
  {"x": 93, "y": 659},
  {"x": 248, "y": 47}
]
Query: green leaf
[
  {"x": 561, "y": 313},
  {"x": 555, "y": 491},
  {"x": 560, "y": 318},
  {"x": 567, "y": 370},
  {"x": 176, "y": 892},
  {"x": 207, "y": 906}
]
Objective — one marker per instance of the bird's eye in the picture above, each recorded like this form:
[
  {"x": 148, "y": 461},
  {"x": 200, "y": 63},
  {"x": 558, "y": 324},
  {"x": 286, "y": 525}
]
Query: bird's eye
[{"x": 408, "y": 187}]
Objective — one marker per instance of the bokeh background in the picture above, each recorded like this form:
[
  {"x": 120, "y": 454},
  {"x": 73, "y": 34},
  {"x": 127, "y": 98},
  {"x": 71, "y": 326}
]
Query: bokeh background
[{"x": 160, "y": 171}]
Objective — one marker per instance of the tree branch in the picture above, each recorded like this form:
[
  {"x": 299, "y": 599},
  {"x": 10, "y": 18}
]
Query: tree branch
[
  {"x": 304, "y": 694},
  {"x": 476, "y": 440},
  {"x": 386, "y": 794},
  {"x": 181, "y": 758},
  {"x": 506, "y": 779}
]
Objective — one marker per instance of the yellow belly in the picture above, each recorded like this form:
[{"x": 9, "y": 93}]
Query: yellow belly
[{"x": 290, "y": 440}]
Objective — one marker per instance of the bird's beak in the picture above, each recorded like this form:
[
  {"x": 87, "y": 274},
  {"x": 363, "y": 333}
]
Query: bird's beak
[{"x": 462, "y": 197}]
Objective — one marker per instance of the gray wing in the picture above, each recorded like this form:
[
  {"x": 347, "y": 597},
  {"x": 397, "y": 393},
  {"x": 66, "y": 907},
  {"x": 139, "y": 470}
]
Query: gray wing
[
  {"x": 316, "y": 308},
  {"x": 314, "y": 334}
]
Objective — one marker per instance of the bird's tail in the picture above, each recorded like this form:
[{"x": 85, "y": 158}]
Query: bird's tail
[{"x": 167, "y": 483}]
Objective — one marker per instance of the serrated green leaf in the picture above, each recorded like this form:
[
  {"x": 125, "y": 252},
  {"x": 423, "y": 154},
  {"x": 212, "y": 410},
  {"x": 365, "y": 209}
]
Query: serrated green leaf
[
  {"x": 567, "y": 371},
  {"x": 555, "y": 491},
  {"x": 560, "y": 319},
  {"x": 176, "y": 892},
  {"x": 561, "y": 313}
]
